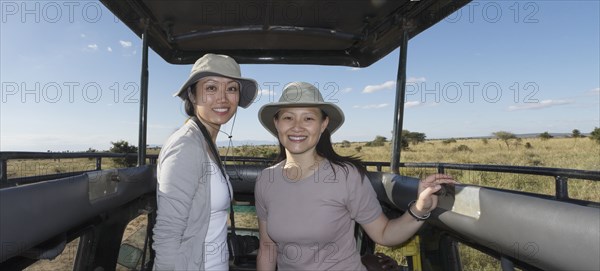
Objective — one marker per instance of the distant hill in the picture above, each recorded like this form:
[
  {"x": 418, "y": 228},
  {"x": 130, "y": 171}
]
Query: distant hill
[
  {"x": 528, "y": 135},
  {"x": 225, "y": 143},
  {"x": 237, "y": 143}
]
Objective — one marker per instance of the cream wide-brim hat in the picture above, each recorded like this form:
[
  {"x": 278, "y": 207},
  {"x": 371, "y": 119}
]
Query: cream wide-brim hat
[
  {"x": 225, "y": 66},
  {"x": 300, "y": 94}
]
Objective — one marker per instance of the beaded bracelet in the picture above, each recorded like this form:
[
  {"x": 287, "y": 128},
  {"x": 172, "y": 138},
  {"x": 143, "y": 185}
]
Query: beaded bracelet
[{"x": 418, "y": 218}]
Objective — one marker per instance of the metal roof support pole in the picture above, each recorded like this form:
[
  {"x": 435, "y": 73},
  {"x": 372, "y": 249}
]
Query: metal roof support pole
[
  {"x": 143, "y": 99},
  {"x": 399, "y": 107}
]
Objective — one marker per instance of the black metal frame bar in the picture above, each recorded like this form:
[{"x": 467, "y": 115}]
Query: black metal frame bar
[
  {"x": 561, "y": 175},
  {"x": 399, "y": 105},
  {"x": 143, "y": 99}
]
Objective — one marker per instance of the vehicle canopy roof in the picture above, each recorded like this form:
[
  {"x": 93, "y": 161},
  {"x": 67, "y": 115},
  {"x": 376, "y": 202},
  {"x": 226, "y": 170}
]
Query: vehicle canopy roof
[{"x": 353, "y": 33}]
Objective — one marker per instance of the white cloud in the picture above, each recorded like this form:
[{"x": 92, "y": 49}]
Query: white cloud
[
  {"x": 595, "y": 91},
  {"x": 391, "y": 84},
  {"x": 109, "y": 49},
  {"x": 82, "y": 35},
  {"x": 412, "y": 104},
  {"x": 346, "y": 90},
  {"x": 354, "y": 69},
  {"x": 412, "y": 80},
  {"x": 266, "y": 92},
  {"x": 375, "y": 88},
  {"x": 371, "y": 106},
  {"x": 540, "y": 105},
  {"x": 266, "y": 95},
  {"x": 92, "y": 46},
  {"x": 125, "y": 44}
]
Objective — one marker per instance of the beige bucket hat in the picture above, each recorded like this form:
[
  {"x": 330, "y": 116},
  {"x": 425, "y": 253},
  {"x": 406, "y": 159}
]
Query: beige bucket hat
[
  {"x": 300, "y": 94},
  {"x": 220, "y": 65}
]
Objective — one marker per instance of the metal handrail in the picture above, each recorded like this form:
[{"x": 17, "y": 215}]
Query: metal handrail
[
  {"x": 60, "y": 155},
  {"x": 561, "y": 175}
]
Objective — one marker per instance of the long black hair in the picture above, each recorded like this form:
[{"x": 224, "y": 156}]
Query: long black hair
[
  {"x": 325, "y": 149},
  {"x": 188, "y": 104}
]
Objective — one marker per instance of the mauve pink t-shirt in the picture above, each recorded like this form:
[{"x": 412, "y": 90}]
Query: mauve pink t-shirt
[{"x": 312, "y": 220}]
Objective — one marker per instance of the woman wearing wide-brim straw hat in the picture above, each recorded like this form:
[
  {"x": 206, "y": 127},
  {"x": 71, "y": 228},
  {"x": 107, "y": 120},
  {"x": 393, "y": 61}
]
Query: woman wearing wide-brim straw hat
[
  {"x": 193, "y": 195},
  {"x": 308, "y": 203}
]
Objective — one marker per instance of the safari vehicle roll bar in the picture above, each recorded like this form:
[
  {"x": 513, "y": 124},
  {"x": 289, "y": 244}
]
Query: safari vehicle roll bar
[
  {"x": 143, "y": 99},
  {"x": 512, "y": 226}
]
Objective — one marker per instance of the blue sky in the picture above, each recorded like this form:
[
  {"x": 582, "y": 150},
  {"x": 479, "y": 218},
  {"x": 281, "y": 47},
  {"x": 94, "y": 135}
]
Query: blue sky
[{"x": 70, "y": 78}]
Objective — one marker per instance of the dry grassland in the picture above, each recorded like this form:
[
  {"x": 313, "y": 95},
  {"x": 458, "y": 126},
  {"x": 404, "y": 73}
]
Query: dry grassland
[{"x": 572, "y": 153}]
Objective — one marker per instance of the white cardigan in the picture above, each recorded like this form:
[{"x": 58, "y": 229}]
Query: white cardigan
[{"x": 183, "y": 200}]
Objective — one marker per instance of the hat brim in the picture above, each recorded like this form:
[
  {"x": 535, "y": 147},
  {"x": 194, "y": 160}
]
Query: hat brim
[
  {"x": 267, "y": 114},
  {"x": 248, "y": 87}
]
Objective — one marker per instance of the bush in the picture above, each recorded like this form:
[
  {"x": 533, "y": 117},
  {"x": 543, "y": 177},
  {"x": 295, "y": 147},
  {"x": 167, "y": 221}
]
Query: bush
[
  {"x": 545, "y": 136},
  {"x": 462, "y": 148},
  {"x": 379, "y": 141},
  {"x": 448, "y": 141},
  {"x": 123, "y": 146},
  {"x": 528, "y": 145},
  {"x": 595, "y": 135},
  {"x": 346, "y": 144}
]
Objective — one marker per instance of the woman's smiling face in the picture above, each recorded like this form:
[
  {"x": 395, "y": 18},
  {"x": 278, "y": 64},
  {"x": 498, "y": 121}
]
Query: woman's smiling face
[
  {"x": 216, "y": 99},
  {"x": 299, "y": 128}
]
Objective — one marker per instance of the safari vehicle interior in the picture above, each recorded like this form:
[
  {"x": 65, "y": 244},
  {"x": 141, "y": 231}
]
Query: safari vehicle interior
[{"x": 95, "y": 207}]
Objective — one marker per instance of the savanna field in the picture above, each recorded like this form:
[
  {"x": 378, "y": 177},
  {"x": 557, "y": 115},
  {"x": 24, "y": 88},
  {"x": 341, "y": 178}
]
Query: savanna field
[{"x": 571, "y": 153}]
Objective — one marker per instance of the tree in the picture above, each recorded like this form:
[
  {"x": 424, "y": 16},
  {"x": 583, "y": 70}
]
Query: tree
[
  {"x": 123, "y": 146},
  {"x": 346, "y": 144},
  {"x": 414, "y": 137},
  {"x": 404, "y": 143},
  {"x": 378, "y": 141},
  {"x": 576, "y": 133},
  {"x": 595, "y": 135},
  {"x": 505, "y": 136},
  {"x": 545, "y": 136},
  {"x": 404, "y": 139}
]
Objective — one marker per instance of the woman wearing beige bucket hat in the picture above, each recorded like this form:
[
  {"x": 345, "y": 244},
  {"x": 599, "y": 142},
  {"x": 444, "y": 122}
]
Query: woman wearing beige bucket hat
[
  {"x": 308, "y": 203},
  {"x": 193, "y": 192}
]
